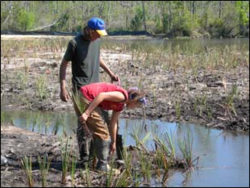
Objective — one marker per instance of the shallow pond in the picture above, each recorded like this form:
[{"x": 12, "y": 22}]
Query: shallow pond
[
  {"x": 223, "y": 157},
  {"x": 177, "y": 45}
]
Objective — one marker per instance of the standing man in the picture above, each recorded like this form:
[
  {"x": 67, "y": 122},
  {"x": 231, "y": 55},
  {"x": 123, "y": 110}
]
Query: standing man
[{"x": 84, "y": 53}]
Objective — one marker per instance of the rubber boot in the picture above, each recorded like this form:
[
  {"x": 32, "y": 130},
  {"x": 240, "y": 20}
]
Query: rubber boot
[
  {"x": 85, "y": 148},
  {"x": 102, "y": 153},
  {"x": 119, "y": 147},
  {"x": 119, "y": 151}
]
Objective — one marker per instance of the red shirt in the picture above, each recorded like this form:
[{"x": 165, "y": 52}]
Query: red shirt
[{"x": 91, "y": 91}]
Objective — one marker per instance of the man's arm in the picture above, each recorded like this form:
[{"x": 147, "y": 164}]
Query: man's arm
[
  {"x": 108, "y": 71},
  {"x": 63, "y": 94}
]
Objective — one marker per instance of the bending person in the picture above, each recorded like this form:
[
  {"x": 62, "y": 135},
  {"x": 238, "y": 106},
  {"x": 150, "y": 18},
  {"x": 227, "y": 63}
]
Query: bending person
[{"x": 105, "y": 96}]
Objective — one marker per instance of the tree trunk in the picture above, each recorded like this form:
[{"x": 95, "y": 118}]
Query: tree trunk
[
  {"x": 170, "y": 16},
  {"x": 144, "y": 16},
  {"x": 193, "y": 7},
  {"x": 220, "y": 9}
]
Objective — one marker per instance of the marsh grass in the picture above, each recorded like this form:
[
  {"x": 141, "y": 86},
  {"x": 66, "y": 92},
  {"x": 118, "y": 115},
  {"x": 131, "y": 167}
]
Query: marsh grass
[
  {"x": 122, "y": 180},
  {"x": 26, "y": 164},
  {"x": 73, "y": 169},
  {"x": 26, "y": 65},
  {"x": 162, "y": 153},
  {"x": 171, "y": 141},
  {"x": 145, "y": 166},
  {"x": 128, "y": 162},
  {"x": 160, "y": 160},
  {"x": 36, "y": 121},
  {"x": 41, "y": 87},
  {"x": 140, "y": 141},
  {"x": 77, "y": 102},
  {"x": 44, "y": 165},
  {"x": 186, "y": 147},
  {"x": 111, "y": 178},
  {"x": 165, "y": 156},
  {"x": 160, "y": 144},
  {"x": 57, "y": 126},
  {"x": 229, "y": 101},
  {"x": 143, "y": 154},
  {"x": 169, "y": 56},
  {"x": 22, "y": 79},
  {"x": 200, "y": 106},
  {"x": 65, "y": 151},
  {"x": 86, "y": 176}
]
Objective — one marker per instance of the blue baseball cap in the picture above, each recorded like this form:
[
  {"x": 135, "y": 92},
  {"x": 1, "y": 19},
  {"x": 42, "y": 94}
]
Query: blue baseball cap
[{"x": 98, "y": 25}]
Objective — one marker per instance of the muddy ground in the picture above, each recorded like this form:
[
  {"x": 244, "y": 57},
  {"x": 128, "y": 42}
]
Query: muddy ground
[
  {"x": 17, "y": 143},
  {"x": 171, "y": 97},
  {"x": 202, "y": 98}
]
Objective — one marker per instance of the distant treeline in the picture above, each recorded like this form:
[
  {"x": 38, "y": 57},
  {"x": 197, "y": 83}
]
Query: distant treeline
[{"x": 171, "y": 18}]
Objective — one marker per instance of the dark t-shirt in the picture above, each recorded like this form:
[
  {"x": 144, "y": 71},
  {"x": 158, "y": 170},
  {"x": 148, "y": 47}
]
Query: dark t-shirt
[{"x": 84, "y": 56}]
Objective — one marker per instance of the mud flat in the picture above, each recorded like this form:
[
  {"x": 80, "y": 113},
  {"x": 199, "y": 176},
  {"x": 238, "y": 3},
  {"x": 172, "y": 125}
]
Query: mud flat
[{"x": 212, "y": 97}]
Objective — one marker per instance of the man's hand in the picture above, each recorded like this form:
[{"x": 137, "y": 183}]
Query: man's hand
[
  {"x": 112, "y": 148},
  {"x": 64, "y": 95},
  {"x": 114, "y": 78}
]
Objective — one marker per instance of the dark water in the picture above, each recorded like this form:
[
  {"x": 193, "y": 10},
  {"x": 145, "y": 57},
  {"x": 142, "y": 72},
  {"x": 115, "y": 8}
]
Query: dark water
[
  {"x": 178, "y": 45},
  {"x": 223, "y": 156}
]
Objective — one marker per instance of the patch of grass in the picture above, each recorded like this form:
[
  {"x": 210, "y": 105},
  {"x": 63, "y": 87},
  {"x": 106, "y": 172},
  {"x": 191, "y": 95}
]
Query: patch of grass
[
  {"x": 145, "y": 166},
  {"x": 26, "y": 164},
  {"x": 162, "y": 152},
  {"x": 73, "y": 169},
  {"x": 65, "y": 160},
  {"x": 41, "y": 87},
  {"x": 140, "y": 141},
  {"x": 44, "y": 165},
  {"x": 230, "y": 99},
  {"x": 22, "y": 79},
  {"x": 170, "y": 139},
  {"x": 186, "y": 147}
]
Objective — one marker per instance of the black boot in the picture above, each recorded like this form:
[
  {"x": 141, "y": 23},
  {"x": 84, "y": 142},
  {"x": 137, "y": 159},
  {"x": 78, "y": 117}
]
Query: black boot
[
  {"x": 119, "y": 147},
  {"x": 102, "y": 153},
  {"x": 119, "y": 151},
  {"x": 85, "y": 146}
]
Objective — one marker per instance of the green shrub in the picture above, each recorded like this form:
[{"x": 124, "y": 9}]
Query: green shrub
[
  {"x": 25, "y": 20},
  {"x": 136, "y": 22}
]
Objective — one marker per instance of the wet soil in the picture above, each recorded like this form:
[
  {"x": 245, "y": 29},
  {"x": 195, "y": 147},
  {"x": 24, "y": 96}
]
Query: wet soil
[
  {"x": 17, "y": 143},
  {"x": 206, "y": 98},
  {"x": 171, "y": 97}
]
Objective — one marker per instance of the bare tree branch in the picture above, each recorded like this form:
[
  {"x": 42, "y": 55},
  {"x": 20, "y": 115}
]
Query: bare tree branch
[
  {"x": 57, "y": 20},
  {"x": 5, "y": 21}
]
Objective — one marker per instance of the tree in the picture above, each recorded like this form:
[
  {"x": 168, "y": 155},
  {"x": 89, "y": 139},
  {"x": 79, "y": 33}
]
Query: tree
[
  {"x": 243, "y": 11},
  {"x": 136, "y": 22},
  {"x": 25, "y": 20},
  {"x": 230, "y": 18},
  {"x": 144, "y": 16}
]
